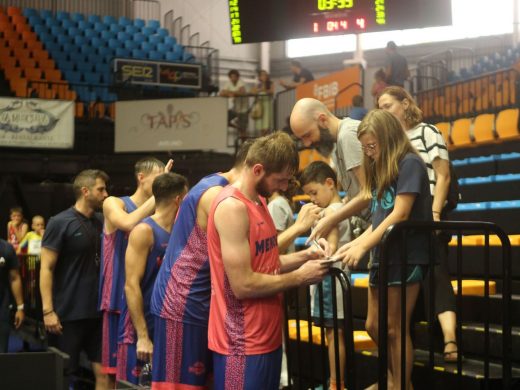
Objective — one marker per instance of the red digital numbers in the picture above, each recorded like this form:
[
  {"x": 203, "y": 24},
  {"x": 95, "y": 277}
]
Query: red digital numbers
[{"x": 338, "y": 25}]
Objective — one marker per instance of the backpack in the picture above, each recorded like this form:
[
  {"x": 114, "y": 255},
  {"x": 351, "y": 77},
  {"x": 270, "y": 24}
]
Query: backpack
[{"x": 453, "y": 196}]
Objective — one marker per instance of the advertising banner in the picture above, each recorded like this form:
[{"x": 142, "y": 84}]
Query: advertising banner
[
  {"x": 171, "y": 125},
  {"x": 36, "y": 123},
  {"x": 147, "y": 72}
]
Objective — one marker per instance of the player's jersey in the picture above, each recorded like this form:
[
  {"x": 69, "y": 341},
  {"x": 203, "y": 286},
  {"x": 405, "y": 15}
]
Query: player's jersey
[
  {"x": 127, "y": 332},
  {"x": 112, "y": 279},
  {"x": 244, "y": 326},
  {"x": 182, "y": 290}
]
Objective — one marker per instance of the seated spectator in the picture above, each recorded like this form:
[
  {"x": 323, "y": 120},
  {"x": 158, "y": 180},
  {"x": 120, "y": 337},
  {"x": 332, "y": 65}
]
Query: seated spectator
[
  {"x": 31, "y": 244},
  {"x": 357, "y": 111}
]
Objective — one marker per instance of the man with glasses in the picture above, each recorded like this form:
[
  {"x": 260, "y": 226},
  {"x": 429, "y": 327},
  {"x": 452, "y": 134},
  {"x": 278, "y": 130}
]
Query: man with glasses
[{"x": 317, "y": 127}]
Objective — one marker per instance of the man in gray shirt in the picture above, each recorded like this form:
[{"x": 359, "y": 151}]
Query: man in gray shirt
[{"x": 316, "y": 126}]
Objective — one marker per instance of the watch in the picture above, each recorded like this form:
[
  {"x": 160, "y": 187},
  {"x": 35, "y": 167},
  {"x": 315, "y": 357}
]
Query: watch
[{"x": 19, "y": 307}]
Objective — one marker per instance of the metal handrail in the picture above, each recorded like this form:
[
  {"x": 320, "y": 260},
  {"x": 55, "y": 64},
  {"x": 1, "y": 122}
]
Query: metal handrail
[{"x": 398, "y": 232}]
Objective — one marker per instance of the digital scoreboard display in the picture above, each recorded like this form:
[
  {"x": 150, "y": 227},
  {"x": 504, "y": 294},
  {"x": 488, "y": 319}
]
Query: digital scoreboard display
[{"x": 275, "y": 20}]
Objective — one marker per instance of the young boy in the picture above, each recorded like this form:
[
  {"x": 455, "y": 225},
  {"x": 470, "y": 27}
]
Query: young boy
[
  {"x": 31, "y": 244},
  {"x": 318, "y": 181}
]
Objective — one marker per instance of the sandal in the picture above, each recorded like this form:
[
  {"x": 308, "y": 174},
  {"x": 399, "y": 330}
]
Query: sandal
[{"x": 448, "y": 355}]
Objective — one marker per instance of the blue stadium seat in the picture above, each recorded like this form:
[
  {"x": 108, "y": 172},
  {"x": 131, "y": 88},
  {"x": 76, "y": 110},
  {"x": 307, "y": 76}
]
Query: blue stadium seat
[
  {"x": 64, "y": 39},
  {"x": 84, "y": 67},
  {"x": 139, "y": 23},
  {"x": 116, "y": 28},
  {"x": 68, "y": 24},
  {"x": 107, "y": 34},
  {"x": 123, "y": 36},
  {"x": 97, "y": 42},
  {"x": 57, "y": 30},
  {"x": 94, "y": 18},
  {"x": 80, "y": 40},
  {"x": 162, "y": 32},
  {"x": 139, "y": 38},
  {"x": 52, "y": 46},
  {"x": 107, "y": 19},
  {"x": 46, "y": 13},
  {"x": 69, "y": 48},
  {"x": 108, "y": 97},
  {"x": 504, "y": 204},
  {"x": 105, "y": 52},
  {"x": 27, "y": 12},
  {"x": 106, "y": 77},
  {"x": 460, "y": 163},
  {"x": 164, "y": 48},
  {"x": 73, "y": 31},
  {"x": 100, "y": 27},
  {"x": 122, "y": 53},
  {"x": 94, "y": 58},
  {"x": 188, "y": 57},
  {"x": 130, "y": 45},
  {"x": 148, "y": 31},
  {"x": 89, "y": 33},
  {"x": 114, "y": 43},
  {"x": 170, "y": 41},
  {"x": 173, "y": 56},
  {"x": 147, "y": 46},
  {"x": 124, "y": 21},
  {"x": 72, "y": 77},
  {"x": 51, "y": 22},
  {"x": 64, "y": 65},
  {"x": 35, "y": 21},
  {"x": 476, "y": 180},
  {"x": 481, "y": 159},
  {"x": 508, "y": 177},
  {"x": 84, "y": 25},
  {"x": 139, "y": 54},
  {"x": 101, "y": 67},
  {"x": 131, "y": 29},
  {"x": 61, "y": 15},
  {"x": 92, "y": 78},
  {"x": 40, "y": 28},
  {"x": 155, "y": 24},
  {"x": 76, "y": 57},
  {"x": 77, "y": 17},
  {"x": 155, "y": 39},
  {"x": 509, "y": 156},
  {"x": 155, "y": 55},
  {"x": 87, "y": 50}
]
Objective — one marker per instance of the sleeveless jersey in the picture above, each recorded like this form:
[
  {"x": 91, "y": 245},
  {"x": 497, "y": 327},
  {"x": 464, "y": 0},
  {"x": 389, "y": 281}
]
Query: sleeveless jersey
[
  {"x": 183, "y": 289},
  {"x": 112, "y": 279},
  {"x": 244, "y": 326},
  {"x": 127, "y": 332}
]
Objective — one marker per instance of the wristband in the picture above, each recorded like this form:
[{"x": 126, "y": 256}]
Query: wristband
[
  {"x": 19, "y": 307},
  {"x": 46, "y": 313}
]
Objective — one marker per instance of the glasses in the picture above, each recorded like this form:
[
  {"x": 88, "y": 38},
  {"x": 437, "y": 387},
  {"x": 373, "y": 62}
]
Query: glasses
[{"x": 369, "y": 147}]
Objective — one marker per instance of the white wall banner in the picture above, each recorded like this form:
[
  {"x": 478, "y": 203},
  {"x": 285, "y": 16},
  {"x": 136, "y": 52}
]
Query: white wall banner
[
  {"x": 171, "y": 124},
  {"x": 36, "y": 123}
]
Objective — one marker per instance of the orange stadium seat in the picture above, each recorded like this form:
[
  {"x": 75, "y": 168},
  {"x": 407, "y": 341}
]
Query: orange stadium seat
[
  {"x": 19, "y": 86},
  {"x": 33, "y": 74},
  {"x": 484, "y": 128},
  {"x": 7, "y": 61},
  {"x": 26, "y": 62},
  {"x": 507, "y": 124},
  {"x": 46, "y": 63},
  {"x": 11, "y": 11},
  {"x": 444, "y": 128},
  {"x": 460, "y": 132}
]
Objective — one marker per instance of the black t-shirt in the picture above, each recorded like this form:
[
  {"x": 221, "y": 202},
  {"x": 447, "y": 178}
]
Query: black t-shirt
[
  {"x": 412, "y": 178},
  {"x": 8, "y": 262},
  {"x": 305, "y": 75},
  {"x": 77, "y": 239}
]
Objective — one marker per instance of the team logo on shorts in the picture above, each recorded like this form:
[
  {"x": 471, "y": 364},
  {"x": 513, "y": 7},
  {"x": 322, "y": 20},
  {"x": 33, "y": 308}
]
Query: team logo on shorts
[{"x": 197, "y": 368}]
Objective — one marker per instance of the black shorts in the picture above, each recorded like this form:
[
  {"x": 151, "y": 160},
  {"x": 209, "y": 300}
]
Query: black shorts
[
  {"x": 414, "y": 274},
  {"x": 81, "y": 335}
]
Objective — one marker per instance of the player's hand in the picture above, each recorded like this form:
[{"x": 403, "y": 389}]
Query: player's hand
[
  {"x": 322, "y": 228},
  {"x": 52, "y": 323},
  {"x": 18, "y": 318},
  {"x": 308, "y": 215},
  {"x": 144, "y": 349},
  {"x": 169, "y": 165},
  {"x": 319, "y": 251},
  {"x": 313, "y": 271}
]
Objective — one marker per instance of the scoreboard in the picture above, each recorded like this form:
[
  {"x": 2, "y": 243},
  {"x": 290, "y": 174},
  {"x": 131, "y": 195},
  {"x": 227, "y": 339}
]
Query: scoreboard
[{"x": 275, "y": 20}]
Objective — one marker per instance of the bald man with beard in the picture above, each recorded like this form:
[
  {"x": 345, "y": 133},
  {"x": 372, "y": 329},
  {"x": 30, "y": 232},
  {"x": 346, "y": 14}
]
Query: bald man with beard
[{"x": 313, "y": 123}]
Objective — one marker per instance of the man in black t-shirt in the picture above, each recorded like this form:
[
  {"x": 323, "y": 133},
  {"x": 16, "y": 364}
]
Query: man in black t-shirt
[
  {"x": 396, "y": 66},
  {"x": 301, "y": 75},
  {"x": 9, "y": 277},
  {"x": 71, "y": 249}
]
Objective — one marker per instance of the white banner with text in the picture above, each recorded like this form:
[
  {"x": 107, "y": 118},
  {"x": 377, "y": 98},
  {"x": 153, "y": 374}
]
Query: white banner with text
[
  {"x": 36, "y": 123},
  {"x": 171, "y": 125}
]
